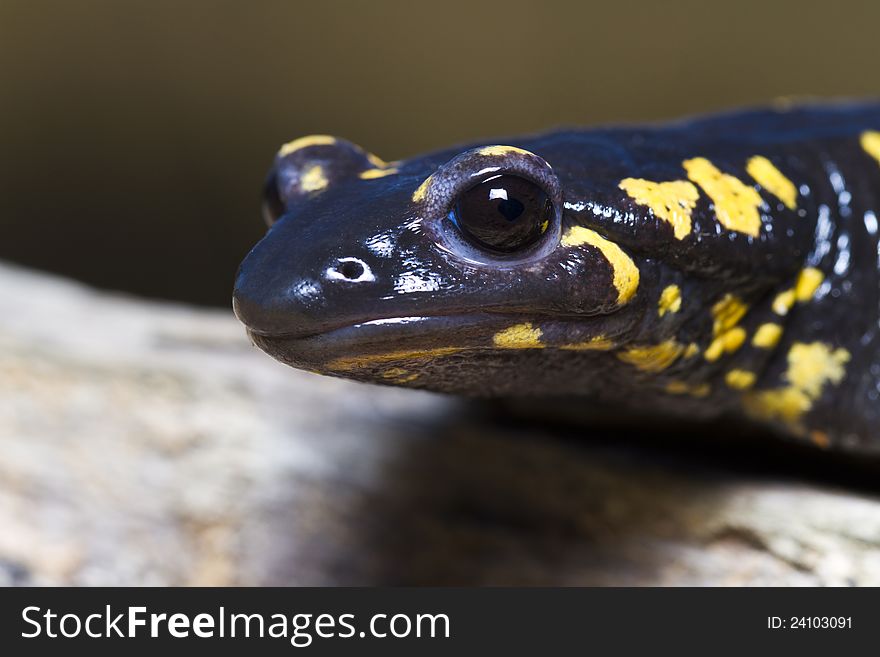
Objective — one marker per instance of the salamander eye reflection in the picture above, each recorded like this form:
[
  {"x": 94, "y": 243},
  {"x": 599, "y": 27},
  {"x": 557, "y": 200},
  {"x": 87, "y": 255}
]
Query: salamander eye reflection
[{"x": 504, "y": 213}]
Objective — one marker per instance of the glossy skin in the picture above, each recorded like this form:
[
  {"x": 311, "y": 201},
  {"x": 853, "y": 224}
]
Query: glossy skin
[{"x": 718, "y": 266}]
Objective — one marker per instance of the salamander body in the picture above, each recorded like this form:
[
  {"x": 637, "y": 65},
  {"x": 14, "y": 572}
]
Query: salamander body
[{"x": 725, "y": 265}]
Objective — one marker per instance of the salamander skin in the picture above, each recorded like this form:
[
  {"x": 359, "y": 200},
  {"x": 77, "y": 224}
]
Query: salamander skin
[{"x": 712, "y": 267}]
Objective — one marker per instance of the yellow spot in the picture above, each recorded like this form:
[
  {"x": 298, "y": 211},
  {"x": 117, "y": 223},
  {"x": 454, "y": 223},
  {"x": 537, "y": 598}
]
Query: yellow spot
[
  {"x": 652, "y": 358},
  {"x": 597, "y": 343},
  {"x": 692, "y": 350},
  {"x": 422, "y": 191},
  {"x": 870, "y": 141},
  {"x": 727, "y": 313},
  {"x": 400, "y": 375},
  {"x": 772, "y": 179},
  {"x": 670, "y": 300},
  {"x": 787, "y": 404},
  {"x": 313, "y": 179},
  {"x": 725, "y": 343},
  {"x": 370, "y": 174},
  {"x": 736, "y": 204},
  {"x": 820, "y": 439},
  {"x": 767, "y": 336},
  {"x": 728, "y": 336},
  {"x": 305, "y": 142},
  {"x": 521, "y": 336},
  {"x": 783, "y": 302},
  {"x": 626, "y": 274},
  {"x": 377, "y": 161},
  {"x": 807, "y": 283},
  {"x": 502, "y": 150},
  {"x": 367, "y": 360},
  {"x": 672, "y": 202},
  {"x": 714, "y": 350},
  {"x": 740, "y": 379},
  {"x": 684, "y": 388},
  {"x": 810, "y": 368}
]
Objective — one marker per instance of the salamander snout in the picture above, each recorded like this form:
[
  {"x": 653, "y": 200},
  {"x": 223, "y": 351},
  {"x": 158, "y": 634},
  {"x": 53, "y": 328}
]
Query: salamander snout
[{"x": 279, "y": 291}]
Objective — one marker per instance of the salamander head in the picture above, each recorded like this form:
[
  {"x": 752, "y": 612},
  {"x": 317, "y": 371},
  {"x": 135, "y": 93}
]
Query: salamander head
[{"x": 461, "y": 271}]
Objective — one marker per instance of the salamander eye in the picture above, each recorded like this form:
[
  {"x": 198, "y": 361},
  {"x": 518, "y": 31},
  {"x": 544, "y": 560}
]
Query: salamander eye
[{"x": 504, "y": 213}]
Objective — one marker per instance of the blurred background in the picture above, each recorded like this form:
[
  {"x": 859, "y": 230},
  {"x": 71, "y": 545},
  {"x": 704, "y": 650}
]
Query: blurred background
[{"x": 134, "y": 136}]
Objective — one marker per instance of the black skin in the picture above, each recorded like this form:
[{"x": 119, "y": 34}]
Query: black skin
[{"x": 359, "y": 250}]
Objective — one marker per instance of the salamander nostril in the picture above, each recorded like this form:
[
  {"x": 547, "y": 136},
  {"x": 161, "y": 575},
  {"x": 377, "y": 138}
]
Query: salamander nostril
[{"x": 350, "y": 269}]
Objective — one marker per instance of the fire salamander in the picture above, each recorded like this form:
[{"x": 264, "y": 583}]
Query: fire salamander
[{"x": 718, "y": 266}]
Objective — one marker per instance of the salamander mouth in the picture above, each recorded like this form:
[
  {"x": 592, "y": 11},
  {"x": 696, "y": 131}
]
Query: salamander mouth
[
  {"x": 386, "y": 338},
  {"x": 443, "y": 352},
  {"x": 377, "y": 344},
  {"x": 476, "y": 354}
]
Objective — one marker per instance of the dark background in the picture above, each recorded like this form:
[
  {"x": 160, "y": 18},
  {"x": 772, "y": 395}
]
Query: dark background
[{"x": 134, "y": 136}]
